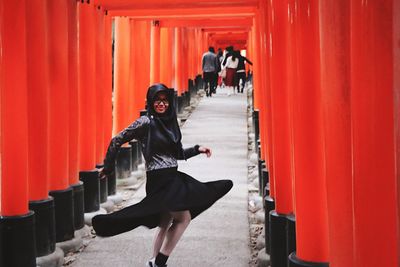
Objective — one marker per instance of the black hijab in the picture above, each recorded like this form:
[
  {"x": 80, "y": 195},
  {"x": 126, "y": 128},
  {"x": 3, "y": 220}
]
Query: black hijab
[{"x": 164, "y": 135}]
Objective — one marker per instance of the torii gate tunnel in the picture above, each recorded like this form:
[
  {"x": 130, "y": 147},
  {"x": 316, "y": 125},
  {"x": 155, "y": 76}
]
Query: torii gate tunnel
[{"x": 326, "y": 79}]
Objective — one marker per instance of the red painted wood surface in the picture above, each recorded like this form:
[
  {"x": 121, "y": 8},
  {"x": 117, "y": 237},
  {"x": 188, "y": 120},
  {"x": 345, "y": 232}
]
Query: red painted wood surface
[
  {"x": 167, "y": 67},
  {"x": 372, "y": 111},
  {"x": 281, "y": 108},
  {"x": 38, "y": 99},
  {"x": 107, "y": 101},
  {"x": 335, "y": 100},
  {"x": 155, "y": 53},
  {"x": 99, "y": 82},
  {"x": 73, "y": 151},
  {"x": 59, "y": 95},
  {"x": 14, "y": 121},
  {"x": 86, "y": 86},
  {"x": 121, "y": 75},
  {"x": 310, "y": 185}
]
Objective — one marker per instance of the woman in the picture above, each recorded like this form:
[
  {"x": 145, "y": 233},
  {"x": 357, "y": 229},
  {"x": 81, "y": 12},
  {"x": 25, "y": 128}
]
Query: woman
[
  {"x": 230, "y": 66},
  {"x": 172, "y": 197}
]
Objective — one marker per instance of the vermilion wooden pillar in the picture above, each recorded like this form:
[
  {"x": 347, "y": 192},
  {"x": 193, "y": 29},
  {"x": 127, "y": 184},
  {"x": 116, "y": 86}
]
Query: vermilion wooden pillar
[
  {"x": 58, "y": 119},
  {"x": 86, "y": 85},
  {"x": 107, "y": 82},
  {"x": 185, "y": 61},
  {"x": 59, "y": 97},
  {"x": 121, "y": 74},
  {"x": 280, "y": 106},
  {"x": 155, "y": 52},
  {"x": 73, "y": 92},
  {"x": 107, "y": 104},
  {"x": 14, "y": 120},
  {"x": 166, "y": 55},
  {"x": 281, "y": 128},
  {"x": 372, "y": 108},
  {"x": 132, "y": 113},
  {"x": 122, "y": 111},
  {"x": 99, "y": 82},
  {"x": 178, "y": 60},
  {"x": 142, "y": 59},
  {"x": 38, "y": 99},
  {"x": 38, "y": 127},
  {"x": 310, "y": 184},
  {"x": 17, "y": 243},
  {"x": 87, "y": 105},
  {"x": 396, "y": 87},
  {"x": 73, "y": 151},
  {"x": 335, "y": 100}
]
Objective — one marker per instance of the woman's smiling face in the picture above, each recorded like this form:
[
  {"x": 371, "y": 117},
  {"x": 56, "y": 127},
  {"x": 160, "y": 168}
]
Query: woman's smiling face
[{"x": 161, "y": 103}]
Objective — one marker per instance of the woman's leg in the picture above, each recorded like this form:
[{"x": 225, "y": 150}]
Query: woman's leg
[
  {"x": 161, "y": 233},
  {"x": 181, "y": 220}
]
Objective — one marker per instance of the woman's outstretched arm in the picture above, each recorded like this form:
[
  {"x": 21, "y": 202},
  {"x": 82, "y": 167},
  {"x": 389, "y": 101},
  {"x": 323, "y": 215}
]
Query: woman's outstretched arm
[{"x": 133, "y": 131}]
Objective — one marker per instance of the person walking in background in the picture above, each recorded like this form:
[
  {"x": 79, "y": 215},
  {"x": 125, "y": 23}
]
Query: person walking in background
[
  {"x": 173, "y": 198},
  {"x": 241, "y": 71},
  {"x": 231, "y": 64},
  {"x": 208, "y": 63},
  {"x": 218, "y": 62}
]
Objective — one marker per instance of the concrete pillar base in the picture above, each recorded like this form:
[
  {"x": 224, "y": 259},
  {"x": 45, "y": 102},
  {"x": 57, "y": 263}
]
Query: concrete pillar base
[
  {"x": 126, "y": 182},
  {"x": 72, "y": 245},
  {"x": 83, "y": 232},
  {"x": 117, "y": 199},
  {"x": 109, "y": 206},
  {"x": 89, "y": 215},
  {"x": 55, "y": 259}
]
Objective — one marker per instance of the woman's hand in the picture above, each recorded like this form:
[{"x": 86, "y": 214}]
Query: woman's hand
[{"x": 205, "y": 150}]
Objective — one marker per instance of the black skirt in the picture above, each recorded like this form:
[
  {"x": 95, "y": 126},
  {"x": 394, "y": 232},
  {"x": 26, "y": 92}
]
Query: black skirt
[{"x": 166, "y": 190}]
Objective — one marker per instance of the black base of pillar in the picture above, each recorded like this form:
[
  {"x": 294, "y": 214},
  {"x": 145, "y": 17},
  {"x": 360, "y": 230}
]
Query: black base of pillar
[
  {"x": 123, "y": 163},
  {"x": 256, "y": 126},
  {"x": 103, "y": 186},
  {"x": 134, "y": 163},
  {"x": 91, "y": 193},
  {"x": 111, "y": 184},
  {"x": 79, "y": 205},
  {"x": 296, "y": 262},
  {"x": 279, "y": 256},
  {"x": 103, "y": 189},
  {"x": 264, "y": 180},
  {"x": 64, "y": 211},
  {"x": 45, "y": 226},
  {"x": 269, "y": 205},
  {"x": 267, "y": 190},
  {"x": 180, "y": 103},
  {"x": 261, "y": 166},
  {"x": 290, "y": 234},
  {"x": 17, "y": 241}
]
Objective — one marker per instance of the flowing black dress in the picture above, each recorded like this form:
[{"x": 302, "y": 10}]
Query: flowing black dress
[{"x": 167, "y": 189}]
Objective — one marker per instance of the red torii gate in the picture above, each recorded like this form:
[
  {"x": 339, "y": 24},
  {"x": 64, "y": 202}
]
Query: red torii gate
[{"x": 313, "y": 149}]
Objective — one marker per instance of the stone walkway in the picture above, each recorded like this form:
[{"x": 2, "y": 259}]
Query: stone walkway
[{"x": 219, "y": 236}]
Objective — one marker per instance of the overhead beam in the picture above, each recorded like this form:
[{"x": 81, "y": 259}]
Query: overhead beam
[
  {"x": 243, "y": 11},
  {"x": 162, "y": 4},
  {"x": 204, "y": 23}
]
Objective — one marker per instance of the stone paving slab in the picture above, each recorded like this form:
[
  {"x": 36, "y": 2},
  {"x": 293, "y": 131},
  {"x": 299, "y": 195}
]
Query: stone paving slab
[{"x": 219, "y": 236}]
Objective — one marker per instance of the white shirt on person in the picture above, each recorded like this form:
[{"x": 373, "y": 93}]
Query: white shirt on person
[{"x": 232, "y": 64}]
